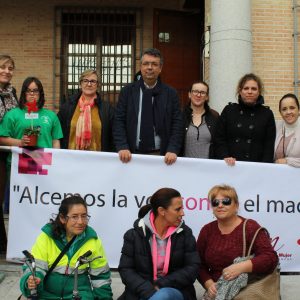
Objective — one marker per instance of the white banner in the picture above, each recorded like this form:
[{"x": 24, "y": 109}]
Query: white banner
[{"x": 114, "y": 192}]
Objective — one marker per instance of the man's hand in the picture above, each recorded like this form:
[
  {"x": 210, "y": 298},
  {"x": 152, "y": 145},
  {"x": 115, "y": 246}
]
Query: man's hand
[
  {"x": 170, "y": 158},
  {"x": 230, "y": 161},
  {"x": 125, "y": 156}
]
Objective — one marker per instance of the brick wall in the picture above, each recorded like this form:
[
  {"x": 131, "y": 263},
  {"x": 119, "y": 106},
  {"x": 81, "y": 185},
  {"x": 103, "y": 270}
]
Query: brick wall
[
  {"x": 273, "y": 54},
  {"x": 27, "y": 31}
]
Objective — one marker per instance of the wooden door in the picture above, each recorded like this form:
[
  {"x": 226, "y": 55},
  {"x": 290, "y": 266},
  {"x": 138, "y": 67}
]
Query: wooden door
[{"x": 178, "y": 36}]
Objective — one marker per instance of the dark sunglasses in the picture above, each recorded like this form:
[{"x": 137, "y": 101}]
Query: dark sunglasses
[{"x": 225, "y": 202}]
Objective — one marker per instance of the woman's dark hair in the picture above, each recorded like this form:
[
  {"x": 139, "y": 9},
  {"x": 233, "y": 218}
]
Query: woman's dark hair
[
  {"x": 25, "y": 86},
  {"x": 202, "y": 82},
  {"x": 57, "y": 227},
  {"x": 290, "y": 95},
  {"x": 206, "y": 106},
  {"x": 161, "y": 198},
  {"x": 248, "y": 77}
]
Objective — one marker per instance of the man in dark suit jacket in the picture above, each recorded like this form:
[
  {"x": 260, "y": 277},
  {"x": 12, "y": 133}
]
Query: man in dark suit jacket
[{"x": 147, "y": 117}]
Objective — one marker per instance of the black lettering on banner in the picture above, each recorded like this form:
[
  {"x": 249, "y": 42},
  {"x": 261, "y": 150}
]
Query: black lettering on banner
[
  {"x": 42, "y": 198},
  {"x": 120, "y": 202},
  {"x": 56, "y": 196},
  {"x": 291, "y": 207},
  {"x": 89, "y": 196},
  {"x": 248, "y": 205},
  {"x": 26, "y": 195},
  {"x": 100, "y": 200}
]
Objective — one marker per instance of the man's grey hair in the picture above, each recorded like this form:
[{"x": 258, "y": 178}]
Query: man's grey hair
[{"x": 153, "y": 52}]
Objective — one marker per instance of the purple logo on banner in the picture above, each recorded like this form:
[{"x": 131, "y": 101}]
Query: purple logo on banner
[{"x": 32, "y": 162}]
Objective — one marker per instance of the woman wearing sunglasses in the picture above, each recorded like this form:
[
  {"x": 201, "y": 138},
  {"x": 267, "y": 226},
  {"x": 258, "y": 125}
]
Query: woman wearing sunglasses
[
  {"x": 70, "y": 227},
  {"x": 86, "y": 119},
  {"x": 199, "y": 123},
  {"x": 221, "y": 241}
]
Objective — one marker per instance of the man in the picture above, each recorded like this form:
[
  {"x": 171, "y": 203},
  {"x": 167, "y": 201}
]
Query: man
[{"x": 147, "y": 117}]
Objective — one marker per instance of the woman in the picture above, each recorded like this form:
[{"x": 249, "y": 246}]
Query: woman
[
  {"x": 221, "y": 241},
  {"x": 159, "y": 258},
  {"x": 31, "y": 115},
  {"x": 246, "y": 130},
  {"x": 71, "y": 224},
  {"x": 287, "y": 142},
  {"x": 86, "y": 120},
  {"x": 8, "y": 100},
  {"x": 199, "y": 123}
]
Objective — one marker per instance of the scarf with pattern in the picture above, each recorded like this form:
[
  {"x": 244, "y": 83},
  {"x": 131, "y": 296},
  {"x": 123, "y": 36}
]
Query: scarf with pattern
[
  {"x": 84, "y": 124},
  {"x": 8, "y": 100}
]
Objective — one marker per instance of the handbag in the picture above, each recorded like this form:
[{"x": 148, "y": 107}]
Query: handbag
[{"x": 259, "y": 287}]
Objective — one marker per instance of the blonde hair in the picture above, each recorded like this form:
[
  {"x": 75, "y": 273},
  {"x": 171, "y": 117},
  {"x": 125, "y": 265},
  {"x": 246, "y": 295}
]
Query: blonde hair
[
  {"x": 88, "y": 73},
  {"x": 6, "y": 59},
  {"x": 226, "y": 190}
]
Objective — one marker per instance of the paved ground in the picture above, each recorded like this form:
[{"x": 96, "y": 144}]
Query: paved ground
[{"x": 9, "y": 287}]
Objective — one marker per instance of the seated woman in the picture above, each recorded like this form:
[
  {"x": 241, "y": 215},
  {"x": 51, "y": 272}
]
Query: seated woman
[
  {"x": 221, "y": 241},
  {"x": 159, "y": 258},
  {"x": 86, "y": 119},
  {"x": 199, "y": 123},
  {"x": 31, "y": 115},
  {"x": 287, "y": 143},
  {"x": 94, "y": 280},
  {"x": 246, "y": 130}
]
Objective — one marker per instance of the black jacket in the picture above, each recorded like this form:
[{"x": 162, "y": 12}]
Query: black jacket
[
  {"x": 106, "y": 115},
  {"x": 126, "y": 119},
  {"x": 136, "y": 268},
  {"x": 246, "y": 133},
  {"x": 211, "y": 118}
]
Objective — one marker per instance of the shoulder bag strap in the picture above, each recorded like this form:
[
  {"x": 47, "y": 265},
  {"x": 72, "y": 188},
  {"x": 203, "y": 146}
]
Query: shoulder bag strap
[
  {"x": 59, "y": 257},
  {"x": 254, "y": 238},
  {"x": 244, "y": 238}
]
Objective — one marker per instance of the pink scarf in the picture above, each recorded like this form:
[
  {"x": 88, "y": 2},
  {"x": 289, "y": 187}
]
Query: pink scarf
[
  {"x": 154, "y": 248},
  {"x": 84, "y": 124}
]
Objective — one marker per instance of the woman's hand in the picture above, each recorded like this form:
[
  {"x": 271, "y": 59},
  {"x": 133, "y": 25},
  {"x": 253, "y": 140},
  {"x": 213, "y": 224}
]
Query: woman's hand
[
  {"x": 33, "y": 282},
  {"x": 281, "y": 161},
  {"x": 230, "y": 161},
  {"x": 211, "y": 288},
  {"x": 24, "y": 141},
  {"x": 234, "y": 270}
]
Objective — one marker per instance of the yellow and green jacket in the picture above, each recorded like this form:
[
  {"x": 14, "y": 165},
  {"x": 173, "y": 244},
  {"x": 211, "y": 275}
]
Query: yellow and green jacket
[{"x": 94, "y": 281}]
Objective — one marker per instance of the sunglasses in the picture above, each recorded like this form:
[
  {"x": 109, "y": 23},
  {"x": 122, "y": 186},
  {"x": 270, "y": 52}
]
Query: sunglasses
[{"x": 225, "y": 202}]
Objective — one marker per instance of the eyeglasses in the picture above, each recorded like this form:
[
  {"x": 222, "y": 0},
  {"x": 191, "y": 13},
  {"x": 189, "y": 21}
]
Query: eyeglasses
[
  {"x": 75, "y": 218},
  {"x": 150, "y": 63},
  {"x": 196, "y": 93},
  {"x": 92, "y": 82},
  {"x": 34, "y": 91},
  {"x": 225, "y": 202}
]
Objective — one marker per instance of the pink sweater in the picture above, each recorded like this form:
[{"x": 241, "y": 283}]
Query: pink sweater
[{"x": 217, "y": 250}]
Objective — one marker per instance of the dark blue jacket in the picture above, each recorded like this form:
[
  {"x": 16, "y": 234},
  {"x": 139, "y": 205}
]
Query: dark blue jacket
[{"x": 126, "y": 119}]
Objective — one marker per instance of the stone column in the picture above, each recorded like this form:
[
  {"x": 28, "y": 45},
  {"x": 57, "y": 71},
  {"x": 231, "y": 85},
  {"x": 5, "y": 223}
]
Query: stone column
[{"x": 230, "y": 49}]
